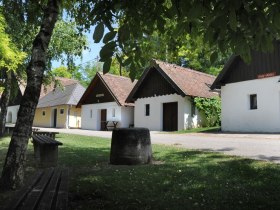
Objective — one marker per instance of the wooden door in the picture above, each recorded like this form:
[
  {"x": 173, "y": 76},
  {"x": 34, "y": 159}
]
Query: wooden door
[
  {"x": 170, "y": 116},
  {"x": 103, "y": 119},
  {"x": 54, "y": 117}
]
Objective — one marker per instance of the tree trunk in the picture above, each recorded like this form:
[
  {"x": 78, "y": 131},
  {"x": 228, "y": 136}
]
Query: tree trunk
[
  {"x": 13, "y": 171},
  {"x": 5, "y": 102}
]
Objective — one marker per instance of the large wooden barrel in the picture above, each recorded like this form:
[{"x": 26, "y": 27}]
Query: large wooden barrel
[{"x": 131, "y": 146}]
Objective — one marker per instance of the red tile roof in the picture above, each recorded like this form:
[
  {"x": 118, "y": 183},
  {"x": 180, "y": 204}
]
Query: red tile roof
[
  {"x": 120, "y": 86},
  {"x": 185, "y": 81},
  {"x": 191, "y": 82}
]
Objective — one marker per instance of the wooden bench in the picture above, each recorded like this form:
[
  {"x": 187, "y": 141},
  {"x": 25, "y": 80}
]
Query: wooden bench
[
  {"x": 110, "y": 124},
  {"x": 35, "y": 129},
  {"x": 47, "y": 189},
  {"x": 46, "y": 133},
  {"x": 45, "y": 150}
]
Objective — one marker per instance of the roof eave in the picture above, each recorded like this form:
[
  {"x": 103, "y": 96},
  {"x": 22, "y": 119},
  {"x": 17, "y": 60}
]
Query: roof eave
[
  {"x": 171, "y": 82},
  {"x": 217, "y": 83}
]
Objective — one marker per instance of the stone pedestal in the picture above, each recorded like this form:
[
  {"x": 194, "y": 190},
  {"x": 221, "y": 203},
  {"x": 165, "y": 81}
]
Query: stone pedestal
[{"x": 131, "y": 146}]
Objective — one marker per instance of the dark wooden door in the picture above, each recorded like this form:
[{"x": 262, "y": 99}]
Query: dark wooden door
[
  {"x": 54, "y": 117},
  {"x": 170, "y": 116},
  {"x": 103, "y": 119}
]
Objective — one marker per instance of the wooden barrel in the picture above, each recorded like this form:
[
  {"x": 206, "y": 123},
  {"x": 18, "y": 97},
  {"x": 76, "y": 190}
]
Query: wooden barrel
[{"x": 131, "y": 146}]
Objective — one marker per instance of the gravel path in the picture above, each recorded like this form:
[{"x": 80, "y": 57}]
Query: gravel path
[{"x": 254, "y": 146}]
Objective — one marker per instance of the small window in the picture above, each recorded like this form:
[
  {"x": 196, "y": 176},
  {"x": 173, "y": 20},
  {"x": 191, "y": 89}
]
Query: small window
[
  {"x": 192, "y": 108},
  {"x": 44, "y": 113},
  {"x": 91, "y": 113},
  {"x": 147, "y": 110},
  {"x": 253, "y": 101},
  {"x": 61, "y": 111},
  {"x": 113, "y": 112}
]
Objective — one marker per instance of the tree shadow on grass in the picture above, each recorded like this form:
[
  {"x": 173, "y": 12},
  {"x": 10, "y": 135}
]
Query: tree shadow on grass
[{"x": 186, "y": 180}]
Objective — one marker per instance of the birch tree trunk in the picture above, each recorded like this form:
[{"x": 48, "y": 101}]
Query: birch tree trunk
[
  {"x": 13, "y": 170},
  {"x": 5, "y": 102}
]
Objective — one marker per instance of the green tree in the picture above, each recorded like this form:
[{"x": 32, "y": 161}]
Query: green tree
[
  {"x": 236, "y": 25},
  {"x": 61, "y": 71},
  {"x": 12, "y": 174},
  {"x": 197, "y": 55},
  {"x": 10, "y": 59},
  {"x": 67, "y": 43}
]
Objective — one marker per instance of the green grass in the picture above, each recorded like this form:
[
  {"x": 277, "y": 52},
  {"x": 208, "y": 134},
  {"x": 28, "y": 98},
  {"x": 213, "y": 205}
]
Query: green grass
[
  {"x": 199, "y": 130},
  {"x": 178, "y": 179}
]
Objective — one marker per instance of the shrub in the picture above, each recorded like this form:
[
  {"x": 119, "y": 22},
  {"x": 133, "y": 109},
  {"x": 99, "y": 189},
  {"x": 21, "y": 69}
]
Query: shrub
[{"x": 211, "y": 108}]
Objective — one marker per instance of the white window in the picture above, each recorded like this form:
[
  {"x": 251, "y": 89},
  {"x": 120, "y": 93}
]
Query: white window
[
  {"x": 90, "y": 113},
  {"x": 113, "y": 112}
]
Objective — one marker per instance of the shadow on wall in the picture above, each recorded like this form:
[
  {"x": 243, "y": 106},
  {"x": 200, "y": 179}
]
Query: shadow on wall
[{"x": 10, "y": 117}]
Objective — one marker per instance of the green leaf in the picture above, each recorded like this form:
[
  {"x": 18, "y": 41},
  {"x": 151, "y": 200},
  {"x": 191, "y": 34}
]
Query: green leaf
[
  {"x": 232, "y": 19},
  {"x": 214, "y": 57},
  {"x": 109, "y": 36},
  {"x": 276, "y": 20},
  {"x": 119, "y": 59},
  {"x": 107, "y": 65},
  {"x": 160, "y": 24},
  {"x": 195, "y": 12},
  {"x": 107, "y": 51},
  {"x": 127, "y": 61},
  {"x": 123, "y": 34},
  {"x": 132, "y": 72},
  {"x": 98, "y": 32}
]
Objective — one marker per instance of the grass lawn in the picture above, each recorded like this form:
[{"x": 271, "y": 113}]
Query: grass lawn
[{"x": 179, "y": 178}]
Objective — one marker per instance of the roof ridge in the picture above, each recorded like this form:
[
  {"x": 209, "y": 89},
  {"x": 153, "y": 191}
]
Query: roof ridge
[
  {"x": 66, "y": 78},
  {"x": 114, "y": 75},
  {"x": 69, "y": 98},
  {"x": 184, "y": 68}
]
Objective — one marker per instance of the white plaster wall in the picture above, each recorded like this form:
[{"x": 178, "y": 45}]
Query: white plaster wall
[
  {"x": 122, "y": 114},
  {"x": 14, "y": 111},
  {"x": 127, "y": 116},
  {"x": 236, "y": 113},
  {"x": 154, "y": 121}
]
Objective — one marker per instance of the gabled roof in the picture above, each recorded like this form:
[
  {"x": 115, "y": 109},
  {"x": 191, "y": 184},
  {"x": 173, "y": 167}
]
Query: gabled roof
[
  {"x": 185, "y": 81},
  {"x": 218, "y": 81},
  {"x": 118, "y": 86},
  {"x": 69, "y": 95},
  {"x": 45, "y": 89},
  {"x": 261, "y": 64}
]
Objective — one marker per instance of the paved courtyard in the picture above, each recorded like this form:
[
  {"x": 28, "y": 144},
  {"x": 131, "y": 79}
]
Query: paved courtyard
[{"x": 255, "y": 146}]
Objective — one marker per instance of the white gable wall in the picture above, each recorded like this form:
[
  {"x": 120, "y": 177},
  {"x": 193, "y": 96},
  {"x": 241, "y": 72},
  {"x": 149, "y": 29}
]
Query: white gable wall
[
  {"x": 154, "y": 122},
  {"x": 12, "y": 112},
  {"x": 92, "y": 122},
  {"x": 236, "y": 113},
  {"x": 127, "y": 116}
]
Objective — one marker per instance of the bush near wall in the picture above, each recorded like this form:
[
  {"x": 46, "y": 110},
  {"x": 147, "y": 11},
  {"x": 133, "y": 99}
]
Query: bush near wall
[{"x": 211, "y": 108}]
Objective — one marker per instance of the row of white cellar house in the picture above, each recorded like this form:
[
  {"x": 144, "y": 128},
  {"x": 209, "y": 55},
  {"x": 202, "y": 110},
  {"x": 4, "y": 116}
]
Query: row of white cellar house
[{"x": 161, "y": 100}]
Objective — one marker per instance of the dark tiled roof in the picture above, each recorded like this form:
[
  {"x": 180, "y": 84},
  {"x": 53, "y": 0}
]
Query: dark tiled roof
[
  {"x": 69, "y": 94},
  {"x": 119, "y": 86},
  {"x": 191, "y": 82},
  {"x": 185, "y": 81}
]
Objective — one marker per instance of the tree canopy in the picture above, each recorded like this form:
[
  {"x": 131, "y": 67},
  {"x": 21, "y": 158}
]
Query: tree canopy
[
  {"x": 238, "y": 26},
  {"x": 10, "y": 56}
]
